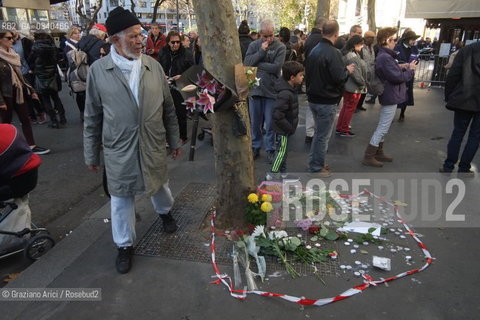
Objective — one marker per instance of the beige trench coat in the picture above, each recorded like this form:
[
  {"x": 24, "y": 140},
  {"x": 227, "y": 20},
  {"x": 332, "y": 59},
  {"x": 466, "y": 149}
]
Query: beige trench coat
[{"x": 133, "y": 136}]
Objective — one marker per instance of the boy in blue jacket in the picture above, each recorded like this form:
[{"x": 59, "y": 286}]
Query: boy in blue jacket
[{"x": 285, "y": 114}]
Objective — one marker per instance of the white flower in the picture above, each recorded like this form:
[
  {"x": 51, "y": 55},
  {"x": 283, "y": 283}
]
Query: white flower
[
  {"x": 277, "y": 235},
  {"x": 258, "y": 231}
]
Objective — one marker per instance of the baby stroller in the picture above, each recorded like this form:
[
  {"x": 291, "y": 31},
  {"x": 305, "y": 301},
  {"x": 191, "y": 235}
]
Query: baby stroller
[{"x": 17, "y": 232}]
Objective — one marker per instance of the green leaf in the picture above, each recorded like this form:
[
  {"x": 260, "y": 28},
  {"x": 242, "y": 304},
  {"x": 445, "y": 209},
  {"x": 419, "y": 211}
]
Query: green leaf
[
  {"x": 371, "y": 230},
  {"x": 314, "y": 238},
  {"x": 240, "y": 244},
  {"x": 295, "y": 241},
  {"x": 323, "y": 232},
  {"x": 331, "y": 235}
]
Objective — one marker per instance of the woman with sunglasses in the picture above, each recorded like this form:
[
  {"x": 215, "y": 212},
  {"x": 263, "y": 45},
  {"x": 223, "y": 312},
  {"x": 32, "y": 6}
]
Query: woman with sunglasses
[
  {"x": 14, "y": 89},
  {"x": 394, "y": 77},
  {"x": 175, "y": 60}
]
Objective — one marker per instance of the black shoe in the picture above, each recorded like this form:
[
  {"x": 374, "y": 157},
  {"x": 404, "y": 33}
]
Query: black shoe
[
  {"x": 270, "y": 156},
  {"x": 401, "y": 118},
  {"x": 362, "y": 109},
  {"x": 54, "y": 125},
  {"x": 370, "y": 101},
  {"x": 308, "y": 139},
  {"x": 124, "y": 259},
  {"x": 256, "y": 153},
  {"x": 63, "y": 120},
  {"x": 169, "y": 224}
]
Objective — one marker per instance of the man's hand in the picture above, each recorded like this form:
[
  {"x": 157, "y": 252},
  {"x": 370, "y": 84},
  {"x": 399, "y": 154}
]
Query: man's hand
[
  {"x": 151, "y": 51},
  {"x": 93, "y": 168},
  {"x": 413, "y": 65},
  {"x": 35, "y": 96},
  {"x": 351, "y": 68},
  {"x": 175, "y": 78},
  {"x": 265, "y": 45},
  {"x": 3, "y": 107},
  {"x": 176, "y": 153}
]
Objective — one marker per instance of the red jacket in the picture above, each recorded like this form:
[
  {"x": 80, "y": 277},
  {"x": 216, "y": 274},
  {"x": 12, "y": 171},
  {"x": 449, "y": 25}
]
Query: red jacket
[
  {"x": 16, "y": 156},
  {"x": 156, "y": 46}
]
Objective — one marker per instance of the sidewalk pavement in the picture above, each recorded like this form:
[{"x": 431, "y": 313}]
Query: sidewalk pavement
[{"x": 174, "y": 289}]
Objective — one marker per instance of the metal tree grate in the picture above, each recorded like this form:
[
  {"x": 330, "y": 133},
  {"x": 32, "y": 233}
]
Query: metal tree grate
[{"x": 192, "y": 206}]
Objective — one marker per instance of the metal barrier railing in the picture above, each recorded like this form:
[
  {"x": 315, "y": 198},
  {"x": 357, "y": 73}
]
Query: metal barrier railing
[{"x": 431, "y": 70}]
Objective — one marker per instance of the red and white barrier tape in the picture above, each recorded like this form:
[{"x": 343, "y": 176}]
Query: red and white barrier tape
[{"x": 367, "y": 280}]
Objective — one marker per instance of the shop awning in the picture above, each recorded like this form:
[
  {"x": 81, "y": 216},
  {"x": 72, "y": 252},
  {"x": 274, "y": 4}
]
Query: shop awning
[{"x": 428, "y": 9}]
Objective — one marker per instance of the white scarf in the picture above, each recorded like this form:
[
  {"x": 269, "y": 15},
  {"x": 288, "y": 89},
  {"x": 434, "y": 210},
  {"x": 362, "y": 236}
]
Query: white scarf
[{"x": 130, "y": 70}]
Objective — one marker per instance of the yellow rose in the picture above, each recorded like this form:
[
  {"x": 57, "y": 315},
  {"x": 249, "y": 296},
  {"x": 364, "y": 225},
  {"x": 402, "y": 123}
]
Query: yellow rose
[
  {"x": 267, "y": 197},
  {"x": 252, "y": 198},
  {"x": 266, "y": 207}
]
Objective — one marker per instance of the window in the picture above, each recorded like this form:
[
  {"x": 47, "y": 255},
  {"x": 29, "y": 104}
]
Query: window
[
  {"x": 114, "y": 3},
  {"x": 142, "y": 4}
]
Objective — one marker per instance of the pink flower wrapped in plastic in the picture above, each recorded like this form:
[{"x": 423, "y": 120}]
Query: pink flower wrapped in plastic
[
  {"x": 206, "y": 100},
  {"x": 304, "y": 224},
  {"x": 190, "y": 103}
]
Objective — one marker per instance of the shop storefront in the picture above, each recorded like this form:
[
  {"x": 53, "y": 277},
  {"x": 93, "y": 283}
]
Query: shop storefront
[{"x": 30, "y": 16}]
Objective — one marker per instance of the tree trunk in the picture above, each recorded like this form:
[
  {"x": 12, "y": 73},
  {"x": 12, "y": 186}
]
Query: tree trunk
[
  {"x": 323, "y": 9},
  {"x": 155, "y": 9},
  {"x": 233, "y": 155},
  {"x": 132, "y": 7},
  {"x": 372, "y": 25},
  {"x": 90, "y": 21}
]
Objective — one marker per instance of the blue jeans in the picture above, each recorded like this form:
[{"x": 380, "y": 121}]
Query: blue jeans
[
  {"x": 461, "y": 122},
  {"x": 387, "y": 113},
  {"x": 324, "y": 116},
  {"x": 261, "y": 109}
]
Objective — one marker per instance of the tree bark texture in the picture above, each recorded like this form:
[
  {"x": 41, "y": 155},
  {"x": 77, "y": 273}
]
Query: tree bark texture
[
  {"x": 372, "y": 25},
  {"x": 323, "y": 9},
  {"x": 233, "y": 155}
]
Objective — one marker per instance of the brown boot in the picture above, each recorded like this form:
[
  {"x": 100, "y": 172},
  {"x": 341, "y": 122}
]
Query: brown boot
[
  {"x": 380, "y": 156},
  {"x": 369, "y": 158}
]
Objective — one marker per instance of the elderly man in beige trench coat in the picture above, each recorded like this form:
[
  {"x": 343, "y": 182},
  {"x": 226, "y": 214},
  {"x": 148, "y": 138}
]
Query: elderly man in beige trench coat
[{"x": 130, "y": 111}]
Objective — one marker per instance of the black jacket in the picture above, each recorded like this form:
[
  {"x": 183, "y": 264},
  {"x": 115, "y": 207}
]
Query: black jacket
[
  {"x": 245, "y": 41},
  {"x": 463, "y": 80},
  {"x": 175, "y": 63},
  {"x": 326, "y": 74},
  {"x": 91, "y": 45},
  {"x": 285, "y": 111},
  {"x": 43, "y": 63},
  {"x": 312, "y": 40}
]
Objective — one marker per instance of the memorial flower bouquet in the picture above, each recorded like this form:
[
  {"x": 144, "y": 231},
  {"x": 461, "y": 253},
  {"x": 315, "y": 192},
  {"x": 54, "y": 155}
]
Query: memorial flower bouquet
[
  {"x": 208, "y": 91},
  {"x": 257, "y": 208}
]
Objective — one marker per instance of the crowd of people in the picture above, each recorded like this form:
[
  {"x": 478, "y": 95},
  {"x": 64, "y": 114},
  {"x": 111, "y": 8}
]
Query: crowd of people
[{"x": 126, "y": 92}]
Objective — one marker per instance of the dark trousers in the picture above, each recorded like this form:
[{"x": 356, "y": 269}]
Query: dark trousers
[
  {"x": 22, "y": 113},
  {"x": 362, "y": 99},
  {"x": 461, "y": 121},
  {"x": 57, "y": 106},
  {"x": 80, "y": 98},
  {"x": 181, "y": 112},
  {"x": 34, "y": 106}
]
